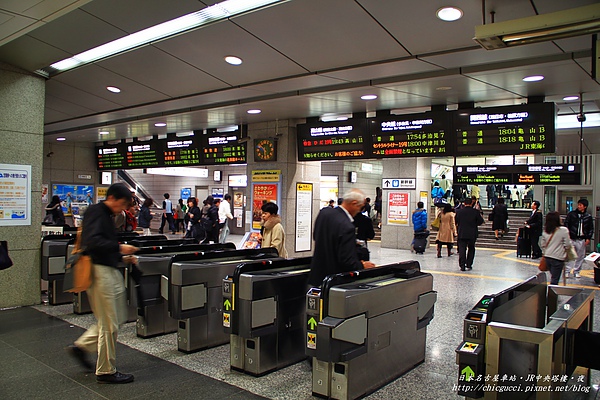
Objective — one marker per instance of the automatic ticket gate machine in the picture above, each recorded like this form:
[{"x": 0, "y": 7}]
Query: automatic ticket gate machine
[
  {"x": 531, "y": 337},
  {"x": 147, "y": 285},
  {"x": 365, "y": 328},
  {"x": 54, "y": 252},
  {"x": 195, "y": 294},
  {"x": 264, "y": 314}
]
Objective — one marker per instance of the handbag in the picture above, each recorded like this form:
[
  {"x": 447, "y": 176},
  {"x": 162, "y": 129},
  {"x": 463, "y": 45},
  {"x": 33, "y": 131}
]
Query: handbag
[
  {"x": 543, "y": 266},
  {"x": 571, "y": 254},
  {"x": 78, "y": 269},
  {"x": 435, "y": 224},
  {"x": 491, "y": 216},
  {"x": 5, "y": 261}
]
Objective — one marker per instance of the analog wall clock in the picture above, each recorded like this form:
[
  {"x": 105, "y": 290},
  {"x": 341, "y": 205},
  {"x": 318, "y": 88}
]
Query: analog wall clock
[{"x": 265, "y": 149}]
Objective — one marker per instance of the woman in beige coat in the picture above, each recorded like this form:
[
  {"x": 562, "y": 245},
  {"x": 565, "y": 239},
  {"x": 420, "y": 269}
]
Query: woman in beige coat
[
  {"x": 447, "y": 230},
  {"x": 273, "y": 234}
]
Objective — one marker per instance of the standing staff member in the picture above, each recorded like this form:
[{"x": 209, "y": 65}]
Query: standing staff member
[
  {"x": 107, "y": 292},
  {"x": 467, "y": 219},
  {"x": 224, "y": 215},
  {"x": 534, "y": 224},
  {"x": 581, "y": 229},
  {"x": 167, "y": 214}
]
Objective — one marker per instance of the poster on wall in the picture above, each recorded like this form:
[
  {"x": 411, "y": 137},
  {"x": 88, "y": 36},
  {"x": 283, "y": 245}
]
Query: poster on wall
[
  {"x": 101, "y": 193},
  {"x": 304, "y": 193},
  {"x": 398, "y": 208},
  {"x": 45, "y": 189},
  {"x": 185, "y": 194},
  {"x": 15, "y": 193},
  {"x": 83, "y": 195},
  {"x": 262, "y": 193}
]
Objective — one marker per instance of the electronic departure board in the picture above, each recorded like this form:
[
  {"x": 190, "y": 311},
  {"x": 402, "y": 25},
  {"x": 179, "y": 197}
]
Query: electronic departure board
[
  {"x": 110, "y": 157},
  {"x": 339, "y": 140},
  {"x": 411, "y": 135},
  {"x": 222, "y": 148},
  {"x": 519, "y": 129},
  {"x": 181, "y": 152},
  {"x": 552, "y": 174}
]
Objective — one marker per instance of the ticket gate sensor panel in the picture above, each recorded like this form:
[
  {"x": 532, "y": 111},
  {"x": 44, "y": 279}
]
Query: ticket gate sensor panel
[
  {"x": 53, "y": 258},
  {"x": 373, "y": 328},
  {"x": 264, "y": 312},
  {"x": 194, "y": 278},
  {"x": 144, "y": 284}
]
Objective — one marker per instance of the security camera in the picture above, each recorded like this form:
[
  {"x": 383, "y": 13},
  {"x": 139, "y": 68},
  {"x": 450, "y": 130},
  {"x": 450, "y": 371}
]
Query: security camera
[
  {"x": 581, "y": 117},
  {"x": 50, "y": 154}
]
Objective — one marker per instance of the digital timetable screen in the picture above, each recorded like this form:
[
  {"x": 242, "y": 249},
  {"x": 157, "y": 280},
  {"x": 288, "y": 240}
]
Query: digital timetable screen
[
  {"x": 522, "y": 129},
  {"x": 221, "y": 148},
  {"x": 411, "y": 135},
  {"x": 339, "y": 140},
  {"x": 554, "y": 174}
]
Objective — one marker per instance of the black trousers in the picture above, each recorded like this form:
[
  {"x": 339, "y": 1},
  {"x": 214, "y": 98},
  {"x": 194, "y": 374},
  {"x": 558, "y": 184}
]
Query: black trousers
[
  {"x": 167, "y": 217},
  {"x": 466, "y": 252},
  {"x": 535, "y": 246}
]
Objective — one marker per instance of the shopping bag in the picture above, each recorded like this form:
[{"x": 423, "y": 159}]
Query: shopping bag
[
  {"x": 543, "y": 266},
  {"x": 435, "y": 224},
  {"x": 571, "y": 254}
]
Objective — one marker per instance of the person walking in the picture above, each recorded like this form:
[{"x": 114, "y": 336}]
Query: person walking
[
  {"x": 167, "y": 216},
  {"x": 447, "y": 231},
  {"x": 468, "y": 219},
  {"x": 514, "y": 196},
  {"x": 145, "y": 216},
  {"x": 555, "y": 244},
  {"x": 489, "y": 191},
  {"x": 335, "y": 239},
  {"x": 437, "y": 193},
  {"x": 364, "y": 233},
  {"x": 54, "y": 210},
  {"x": 107, "y": 292},
  {"x": 273, "y": 235},
  {"x": 180, "y": 209},
  {"x": 475, "y": 192},
  {"x": 581, "y": 229},
  {"x": 534, "y": 224},
  {"x": 419, "y": 221},
  {"x": 224, "y": 216},
  {"x": 193, "y": 227},
  {"x": 210, "y": 220},
  {"x": 499, "y": 216}
]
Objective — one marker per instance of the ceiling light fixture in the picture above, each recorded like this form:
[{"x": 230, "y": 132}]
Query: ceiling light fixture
[
  {"x": 216, "y": 12},
  {"x": 533, "y": 78},
  {"x": 61, "y": 139},
  {"x": 539, "y": 28},
  {"x": 233, "y": 60},
  {"x": 449, "y": 14},
  {"x": 104, "y": 133},
  {"x": 160, "y": 124},
  {"x": 113, "y": 89},
  {"x": 570, "y": 98},
  {"x": 369, "y": 97},
  {"x": 254, "y": 111}
]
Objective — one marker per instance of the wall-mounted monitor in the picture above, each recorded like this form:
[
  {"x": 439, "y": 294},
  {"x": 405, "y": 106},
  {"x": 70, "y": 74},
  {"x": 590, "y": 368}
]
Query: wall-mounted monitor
[{"x": 338, "y": 140}]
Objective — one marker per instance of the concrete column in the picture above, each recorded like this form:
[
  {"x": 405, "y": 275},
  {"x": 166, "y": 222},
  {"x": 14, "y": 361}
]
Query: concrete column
[
  {"x": 22, "y": 133},
  {"x": 292, "y": 172},
  {"x": 400, "y": 237}
]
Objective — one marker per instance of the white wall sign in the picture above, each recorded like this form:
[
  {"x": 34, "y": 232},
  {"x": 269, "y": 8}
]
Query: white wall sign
[
  {"x": 303, "y": 216},
  {"x": 398, "y": 208},
  {"x": 15, "y": 194},
  {"x": 398, "y": 183}
]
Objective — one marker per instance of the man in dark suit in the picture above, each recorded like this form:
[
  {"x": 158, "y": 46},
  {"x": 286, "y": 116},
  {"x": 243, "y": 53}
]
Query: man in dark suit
[
  {"x": 535, "y": 224},
  {"x": 335, "y": 239},
  {"x": 467, "y": 219}
]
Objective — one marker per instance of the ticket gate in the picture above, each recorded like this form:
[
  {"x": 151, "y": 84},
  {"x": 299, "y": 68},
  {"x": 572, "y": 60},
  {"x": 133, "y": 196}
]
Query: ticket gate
[
  {"x": 54, "y": 252},
  {"x": 365, "y": 328},
  {"x": 525, "y": 332},
  {"x": 147, "y": 288},
  {"x": 264, "y": 314},
  {"x": 194, "y": 294}
]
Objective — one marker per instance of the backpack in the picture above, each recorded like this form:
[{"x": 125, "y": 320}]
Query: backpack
[{"x": 130, "y": 222}]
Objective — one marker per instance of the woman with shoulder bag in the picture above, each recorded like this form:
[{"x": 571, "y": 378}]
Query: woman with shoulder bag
[
  {"x": 500, "y": 215},
  {"x": 555, "y": 244},
  {"x": 447, "y": 231}
]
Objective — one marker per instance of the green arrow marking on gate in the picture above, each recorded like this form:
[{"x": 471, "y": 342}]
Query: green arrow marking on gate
[
  {"x": 468, "y": 373},
  {"x": 227, "y": 304},
  {"x": 312, "y": 323}
]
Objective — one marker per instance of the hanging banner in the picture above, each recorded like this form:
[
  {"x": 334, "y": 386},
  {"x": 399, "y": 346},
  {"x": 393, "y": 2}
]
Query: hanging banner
[
  {"x": 398, "y": 208},
  {"x": 262, "y": 193},
  {"x": 15, "y": 194},
  {"x": 304, "y": 193}
]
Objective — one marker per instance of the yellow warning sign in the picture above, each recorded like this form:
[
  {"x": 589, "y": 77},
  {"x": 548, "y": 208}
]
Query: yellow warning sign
[
  {"x": 469, "y": 347},
  {"x": 226, "y": 320},
  {"x": 311, "y": 340}
]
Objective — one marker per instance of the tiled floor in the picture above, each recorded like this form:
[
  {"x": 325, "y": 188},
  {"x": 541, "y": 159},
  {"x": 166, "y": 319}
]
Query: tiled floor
[{"x": 34, "y": 364}]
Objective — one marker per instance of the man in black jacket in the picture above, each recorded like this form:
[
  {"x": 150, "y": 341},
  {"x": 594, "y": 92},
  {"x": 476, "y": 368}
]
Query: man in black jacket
[
  {"x": 335, "y": 239},
  {"x": 467, "y": 219},
  {"x": 581, "y": 229},
  {"x": 535, "y": 224},
  {"x": 107, "y": 292}
]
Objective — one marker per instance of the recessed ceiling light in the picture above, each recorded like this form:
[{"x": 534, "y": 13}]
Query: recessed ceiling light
[
  {"x": 443, "y": 88},
  {"x": 570, "y": 98},
  {"x": 113, "y": 89},
  {"x": 254, "y": 111},
  {"x": 369, "y": 97},
  {"x": 160, "y": 124},
  {"x": 233, "y": 60},
  {"x": 104, "y": 132},
  {"x": 449, "y": 13},
  {"x": 533, "y": 78},
  {"x": 61, "y": 139}
]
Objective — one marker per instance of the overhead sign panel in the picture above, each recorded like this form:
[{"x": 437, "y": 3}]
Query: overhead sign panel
[
  {"x": 558, "y": 174},
  {"x": 339, "y": 140}
]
